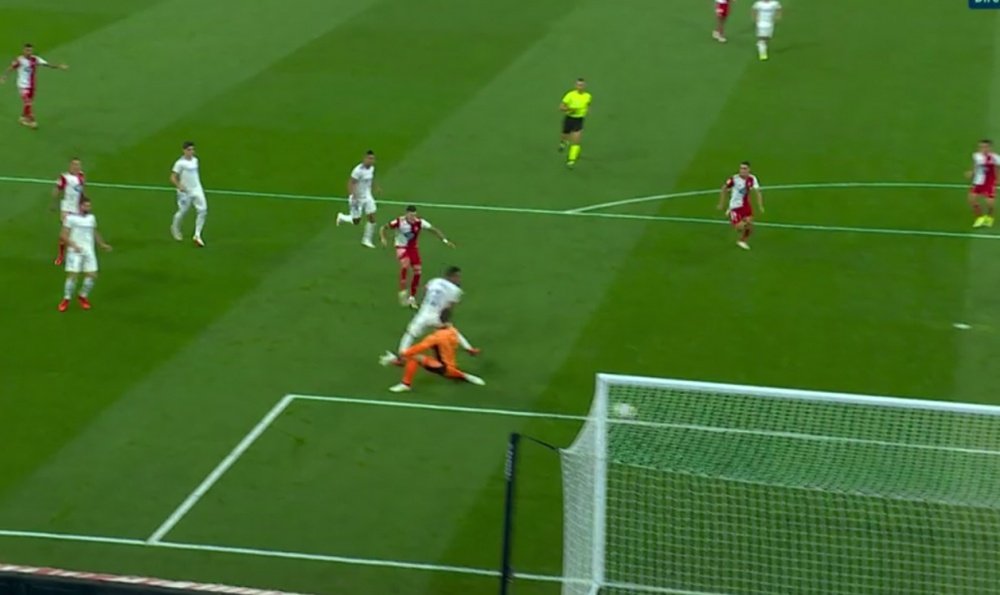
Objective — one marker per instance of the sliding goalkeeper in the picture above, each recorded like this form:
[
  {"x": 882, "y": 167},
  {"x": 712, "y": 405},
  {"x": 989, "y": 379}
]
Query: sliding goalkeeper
[{"x": 443, "y": 343}]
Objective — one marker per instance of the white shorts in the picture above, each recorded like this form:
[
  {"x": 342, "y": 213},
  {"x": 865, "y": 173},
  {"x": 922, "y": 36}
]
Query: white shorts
[
  {"x": 422, "y": 324},
  {"x": 362, "y": 206},
  {"x": 69, "y": 208},
  {"x": 194, "y": 198},
  {"x": 81, "y": 262},
  {"x": 765, "y": 30}
]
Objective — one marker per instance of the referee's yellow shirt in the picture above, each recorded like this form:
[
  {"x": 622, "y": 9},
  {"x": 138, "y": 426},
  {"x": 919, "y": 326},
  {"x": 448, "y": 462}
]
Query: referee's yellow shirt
[{"x": 577, "y": 102}]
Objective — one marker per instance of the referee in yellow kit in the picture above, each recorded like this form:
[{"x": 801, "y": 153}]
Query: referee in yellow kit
[{"x": 574, "y": 104}]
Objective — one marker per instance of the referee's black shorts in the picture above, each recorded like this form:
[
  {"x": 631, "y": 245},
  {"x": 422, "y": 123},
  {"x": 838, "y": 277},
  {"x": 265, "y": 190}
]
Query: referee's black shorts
[{"x": 571, "y": 124}]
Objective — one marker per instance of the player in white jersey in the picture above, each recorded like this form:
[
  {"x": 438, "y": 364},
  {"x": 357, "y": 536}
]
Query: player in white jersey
[
  {"x": 441, "y": 293},
  {"x": 26, "y": 65},
  {"x": 80, "y": 234},
  {"x": 67, "y": 195},
  {"x": 361, "y": 198},
  {"x": 765, "y": 14},
  {"x": 185, "y": 177}
]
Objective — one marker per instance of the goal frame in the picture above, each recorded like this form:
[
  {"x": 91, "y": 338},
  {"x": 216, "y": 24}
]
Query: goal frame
[{"x": 599, "y": 415}]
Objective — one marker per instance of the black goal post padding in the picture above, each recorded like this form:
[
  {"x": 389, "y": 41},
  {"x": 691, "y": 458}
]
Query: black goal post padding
[{"x": 510, "y": 496}]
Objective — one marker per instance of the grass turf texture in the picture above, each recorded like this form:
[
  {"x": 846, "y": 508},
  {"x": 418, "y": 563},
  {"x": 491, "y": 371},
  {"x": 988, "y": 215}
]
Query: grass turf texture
[{"x": 112, "y": 417}]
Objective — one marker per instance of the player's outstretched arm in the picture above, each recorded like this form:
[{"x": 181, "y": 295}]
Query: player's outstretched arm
[
  {"x": 351, "y": 185},
  {"x": 381, "y": 234},
  {"x": 10, "y": 68},
  {"x": 441, "y": 236},
  {"x": 722, "y": 197},
  {"x": 760, "y": 199},
  {"x": 100, "y": 241},
  {"x": 56, "y": 197}
]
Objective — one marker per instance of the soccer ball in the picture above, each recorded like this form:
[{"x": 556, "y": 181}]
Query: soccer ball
[{"x": 625, "y": 410}]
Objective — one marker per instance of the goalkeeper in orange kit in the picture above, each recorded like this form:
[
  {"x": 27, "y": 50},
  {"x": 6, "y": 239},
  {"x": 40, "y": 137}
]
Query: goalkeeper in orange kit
[{"x": 443, "y": 343}]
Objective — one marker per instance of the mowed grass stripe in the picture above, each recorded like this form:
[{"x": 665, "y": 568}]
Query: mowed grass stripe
[
  {"x": 590, "y": 211},
  {"x": 226, "y": 328}
]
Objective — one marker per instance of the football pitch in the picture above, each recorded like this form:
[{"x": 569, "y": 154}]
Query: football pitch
[{"x": 220, "y": 414}]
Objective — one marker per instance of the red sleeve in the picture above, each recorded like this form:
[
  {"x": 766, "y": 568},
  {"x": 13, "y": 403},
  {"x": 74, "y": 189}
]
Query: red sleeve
[
  {"x": 83, "y": 179},
  {"x": 61, "y": 183},
  {"x": 394, "y": 223},
  {"x": 15, "y": 64},
  {"x": 729, "y": 183}
]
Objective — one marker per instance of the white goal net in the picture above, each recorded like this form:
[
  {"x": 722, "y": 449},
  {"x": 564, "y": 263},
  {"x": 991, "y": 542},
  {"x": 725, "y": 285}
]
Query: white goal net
[{"x": 698, "y": 488}]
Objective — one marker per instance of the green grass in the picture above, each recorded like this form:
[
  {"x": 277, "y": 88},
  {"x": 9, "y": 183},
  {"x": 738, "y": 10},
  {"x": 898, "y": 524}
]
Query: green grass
[{"x": 112, "y": 417}]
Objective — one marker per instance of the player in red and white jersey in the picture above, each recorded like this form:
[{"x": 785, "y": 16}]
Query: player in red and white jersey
[
  {"x": 67, "y": 195},
  {"x": 26, "y": 65},
  {"x": 984, "y": 183},
  {"x": 740, "y": 211},
  {"x": 408, "y": 228},
  {"x": 721, "y": 14}
]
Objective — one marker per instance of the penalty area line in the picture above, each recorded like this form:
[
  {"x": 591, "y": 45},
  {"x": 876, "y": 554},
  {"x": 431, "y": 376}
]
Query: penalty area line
[{"x": 219, "y": 470}]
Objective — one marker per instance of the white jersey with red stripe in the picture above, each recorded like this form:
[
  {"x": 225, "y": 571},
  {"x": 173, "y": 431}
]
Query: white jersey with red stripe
[
  {"x": 721, "y": 3},
  {"x": 27, "y": 67},
  {"x": 739, "y": 195},
  {"x": 71, "y": 187},
  {"x": 984, "y": 168},
  {"x": 407, "y": 232}
]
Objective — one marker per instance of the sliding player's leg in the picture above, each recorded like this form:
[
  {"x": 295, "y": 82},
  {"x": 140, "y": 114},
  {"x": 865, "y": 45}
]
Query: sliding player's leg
[{"x": 409, "y": 371}]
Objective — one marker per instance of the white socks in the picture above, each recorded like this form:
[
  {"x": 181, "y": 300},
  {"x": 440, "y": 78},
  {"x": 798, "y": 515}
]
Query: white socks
[
  {"x": 69, "y": 288},
  {"x": 88, "y": 284},
  {"x": 761, "y": 48},
  {"x": 369, "y": 231},
  {"x": 199, "y": 223},
  {"x": 342, "y": 218}
]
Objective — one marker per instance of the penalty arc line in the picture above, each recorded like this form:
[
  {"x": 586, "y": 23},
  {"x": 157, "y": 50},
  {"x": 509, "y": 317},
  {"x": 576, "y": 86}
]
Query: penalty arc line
[
  {"x": 591, "y": 210},
  {"x": 807, "y": 186},
  {"x": 220, "y": 470}
]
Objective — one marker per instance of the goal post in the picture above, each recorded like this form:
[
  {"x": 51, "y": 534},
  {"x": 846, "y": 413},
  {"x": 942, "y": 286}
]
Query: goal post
[{"x": 699, "y": 488}]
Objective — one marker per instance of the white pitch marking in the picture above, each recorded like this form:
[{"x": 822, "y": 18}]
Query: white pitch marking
[
  {"x": 665, "y": 425},
  {"x": 432, "y": 407},
  {"x": 219, "y": 471},
  {"x": 962, "y": 326},
  {"x": 588, "y": 211},
  {"x": 265, "y": 553},
  {"x": 814, "y": 186}
]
